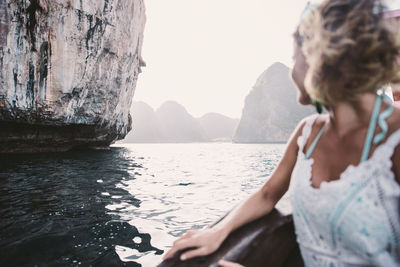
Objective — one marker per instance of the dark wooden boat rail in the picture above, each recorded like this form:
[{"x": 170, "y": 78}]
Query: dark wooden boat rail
[{"x": 268, "y": 241}]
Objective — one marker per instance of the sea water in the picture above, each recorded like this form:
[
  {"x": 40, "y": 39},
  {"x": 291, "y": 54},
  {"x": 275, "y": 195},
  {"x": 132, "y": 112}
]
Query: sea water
[{"x": 123, "y": 206}]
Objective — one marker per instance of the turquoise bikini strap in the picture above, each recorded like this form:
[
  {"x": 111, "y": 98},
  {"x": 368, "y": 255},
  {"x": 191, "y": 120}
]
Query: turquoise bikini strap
[
  {"x": 372, "y": 124},
  {"x": 382, "y": 120},
  {"x": 371, "y": 128},
  {"x": 314, "y": 143}
]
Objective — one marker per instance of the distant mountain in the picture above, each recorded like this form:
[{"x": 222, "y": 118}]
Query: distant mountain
[
  {"x": 177, "y": 125},
  {"x": 171, "y": 123},
  {"x": 145, "y": 125},
  {"x": 217, "y": 126},
  {"x": 271, "y": 111}
]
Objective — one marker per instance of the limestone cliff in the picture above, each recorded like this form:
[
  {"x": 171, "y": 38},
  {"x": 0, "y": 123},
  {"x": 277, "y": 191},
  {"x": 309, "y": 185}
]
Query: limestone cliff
[
  {"x": 271, "y": 111},
  {"x": 68, "y": 71}
]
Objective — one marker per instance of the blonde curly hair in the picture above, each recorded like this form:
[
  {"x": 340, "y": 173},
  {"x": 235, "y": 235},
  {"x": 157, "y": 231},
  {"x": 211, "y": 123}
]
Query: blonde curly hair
[{"x": 350, "y": 49}]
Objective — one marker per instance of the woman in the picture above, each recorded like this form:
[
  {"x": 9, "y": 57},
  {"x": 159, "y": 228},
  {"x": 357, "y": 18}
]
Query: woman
[{"x": 343, "y": 167}]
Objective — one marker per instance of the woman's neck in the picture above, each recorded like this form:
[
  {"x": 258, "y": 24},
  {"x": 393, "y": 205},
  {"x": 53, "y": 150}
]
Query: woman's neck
[{"x": 345, "y": 117}]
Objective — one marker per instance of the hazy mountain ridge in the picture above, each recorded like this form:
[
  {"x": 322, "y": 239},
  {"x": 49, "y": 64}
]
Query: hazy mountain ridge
[
  {"x": 177, "y": 125},
  {"x": 270, "y": 114},
  {"x": 172, "y": 123},
  {"x": 271, "y": 111},
  {"x": 218, "y": 126},
  {"x": 145, "y": 124}
]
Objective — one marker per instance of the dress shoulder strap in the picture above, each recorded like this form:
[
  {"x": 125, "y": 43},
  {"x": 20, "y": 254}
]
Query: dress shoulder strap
[
  {"x": 305, "y": 134},
  {"x": 314, "y": 143}
]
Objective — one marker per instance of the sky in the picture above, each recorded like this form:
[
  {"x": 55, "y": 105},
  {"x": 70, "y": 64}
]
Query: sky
[{"x": 208, "y": 54}]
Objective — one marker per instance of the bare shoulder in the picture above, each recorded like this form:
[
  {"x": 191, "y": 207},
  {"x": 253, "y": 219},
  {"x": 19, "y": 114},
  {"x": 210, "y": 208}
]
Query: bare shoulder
[
  {"x": 317, "y": 122},
  {"x": 317, "y": 119},
  {"x": 394, "y": 120},
  {"x": 298, "y": 131}
]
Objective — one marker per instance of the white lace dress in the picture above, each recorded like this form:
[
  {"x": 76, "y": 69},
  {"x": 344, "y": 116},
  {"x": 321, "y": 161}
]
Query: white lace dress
[{"x": 353, "y": 221}]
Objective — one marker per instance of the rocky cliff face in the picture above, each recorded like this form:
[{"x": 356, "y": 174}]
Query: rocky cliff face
[
  {"x": 271, "y": 111},
  {"x": 68, "y": 71}
]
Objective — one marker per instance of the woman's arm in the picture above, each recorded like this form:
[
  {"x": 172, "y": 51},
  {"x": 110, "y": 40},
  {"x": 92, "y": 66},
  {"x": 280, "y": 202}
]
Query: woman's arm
[
  {"x": 395, "y": 124},
  {"x": 396, "y": 164},
  {"x": 257, "y": 205}
]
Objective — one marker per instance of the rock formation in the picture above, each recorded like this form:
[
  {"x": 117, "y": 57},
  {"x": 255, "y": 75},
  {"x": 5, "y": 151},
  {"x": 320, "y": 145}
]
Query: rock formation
[
  {"x": 146, "y": 125},
  {"x": 271, "y": 111},
  {"x": 177, "y": 125},
  {"x": 68, "y": 71},
  {"x": 218, "y": 127},
  {"x": 172, "y": 123}
]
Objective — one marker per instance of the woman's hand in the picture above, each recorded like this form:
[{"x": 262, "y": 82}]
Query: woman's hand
[
  {"x": 224, "y": 263},
  {"x": 203, "y": 242}
]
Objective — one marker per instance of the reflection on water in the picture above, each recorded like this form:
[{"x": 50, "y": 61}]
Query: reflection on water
[{"x": 121, "y": 207}]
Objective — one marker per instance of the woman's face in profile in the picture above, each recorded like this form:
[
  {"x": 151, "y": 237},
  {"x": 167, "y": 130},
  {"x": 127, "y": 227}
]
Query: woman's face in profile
[{"x": 298, "y": 75}]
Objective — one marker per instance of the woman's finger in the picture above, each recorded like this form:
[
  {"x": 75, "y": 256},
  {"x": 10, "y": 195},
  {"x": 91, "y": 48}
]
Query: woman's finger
[
  {"x": 179, "y": 245},
  {"x": 224, "y": 263},
  {"x": 189, "y": 233},
  {"x": 184, "y": 236},
  {"x": 168, "y": 254},
  {"x": 193, "y": 253},
  {"x": 171, "y": 252}
]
